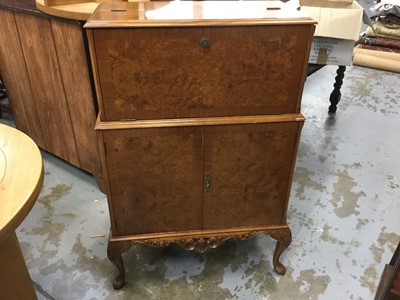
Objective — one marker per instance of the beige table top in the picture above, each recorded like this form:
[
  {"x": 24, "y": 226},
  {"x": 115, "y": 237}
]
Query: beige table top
[
  {"x": 69, "y": 9},
  {"x": 21, "y": 178}
]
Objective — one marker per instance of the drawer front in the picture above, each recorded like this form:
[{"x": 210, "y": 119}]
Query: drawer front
[
  {"x": 161, "y": 73},
  {"x": 155, "y": 179},
  {"x": 249, "y": 169}
]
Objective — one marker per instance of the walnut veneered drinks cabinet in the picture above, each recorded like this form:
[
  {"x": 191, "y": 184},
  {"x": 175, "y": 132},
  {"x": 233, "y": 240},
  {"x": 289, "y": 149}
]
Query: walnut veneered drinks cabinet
[{"x": 199, "y": 120}]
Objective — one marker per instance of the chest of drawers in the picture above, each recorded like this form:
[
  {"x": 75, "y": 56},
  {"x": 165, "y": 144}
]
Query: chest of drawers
[{"x": 199, "y": 120}]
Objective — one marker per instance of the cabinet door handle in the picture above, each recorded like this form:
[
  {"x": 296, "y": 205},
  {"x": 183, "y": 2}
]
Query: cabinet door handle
[{"x": 207, "y": 183}]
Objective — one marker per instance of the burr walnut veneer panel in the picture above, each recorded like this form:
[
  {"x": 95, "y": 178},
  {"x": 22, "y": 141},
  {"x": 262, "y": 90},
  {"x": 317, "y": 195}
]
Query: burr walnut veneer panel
[
  {"x": 249, "y": 167},
  {"x": 171, "y": 194},
  {"x": 158, "y": 73},
  {"x": 164, "y": 197}
]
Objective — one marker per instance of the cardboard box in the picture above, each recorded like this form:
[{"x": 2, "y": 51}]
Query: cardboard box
[
  {"x": 339, "y": 26},
  {"x": 331, "y": 51}
]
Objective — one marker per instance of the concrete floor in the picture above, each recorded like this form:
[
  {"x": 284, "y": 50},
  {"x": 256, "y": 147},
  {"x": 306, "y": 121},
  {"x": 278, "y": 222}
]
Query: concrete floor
[{"x": 343, "y": 213}]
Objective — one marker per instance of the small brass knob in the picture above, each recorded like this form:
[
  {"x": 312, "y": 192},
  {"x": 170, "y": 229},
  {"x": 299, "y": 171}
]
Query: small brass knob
[{"x": 204, "y": 43}]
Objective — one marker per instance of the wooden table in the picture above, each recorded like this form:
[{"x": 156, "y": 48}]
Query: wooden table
[{"x": 21, "y": 179}]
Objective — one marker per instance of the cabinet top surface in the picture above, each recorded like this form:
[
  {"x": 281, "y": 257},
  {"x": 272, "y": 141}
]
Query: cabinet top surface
[{"x": 194, "y": 13}]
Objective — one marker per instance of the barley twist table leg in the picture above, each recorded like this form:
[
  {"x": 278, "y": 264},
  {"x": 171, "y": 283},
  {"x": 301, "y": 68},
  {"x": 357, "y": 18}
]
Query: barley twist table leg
[{"x": 336, "y": 94}]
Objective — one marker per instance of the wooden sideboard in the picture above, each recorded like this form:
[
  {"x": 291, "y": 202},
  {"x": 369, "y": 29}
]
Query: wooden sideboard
[
  {"x": 199, "y": 120},
  {"x": 43, "y": 61}
]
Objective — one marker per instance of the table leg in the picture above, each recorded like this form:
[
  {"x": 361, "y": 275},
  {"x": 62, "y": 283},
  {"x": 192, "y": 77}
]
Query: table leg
[
  {"x": 114, "y": 254},
  {"x": 283, "y": 239},
  {"x": 336, "y": 95},
  {"x": 15, "y": 282}
]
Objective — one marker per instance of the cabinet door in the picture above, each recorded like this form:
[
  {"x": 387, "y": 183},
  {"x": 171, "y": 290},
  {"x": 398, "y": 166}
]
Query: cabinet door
[
  {"x": 160, "y": 73},
  {"x": 155, "y": 179},
  {"x": 249, "y": 170}
]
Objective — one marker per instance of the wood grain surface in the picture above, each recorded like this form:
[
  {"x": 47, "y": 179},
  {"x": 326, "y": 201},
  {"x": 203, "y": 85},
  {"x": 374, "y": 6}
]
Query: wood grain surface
[
  {"x": 45, "y": 71},
  {"x": 250, "y": 169},
  {"x": 21, "y": 177},
  {"x": 16, "y": 77},
  {"x": 165, "y": 73},
  {"x": 155, "y": 179},
  {"x": 71, "y": 55},
  {"x": 44, "y": 74},
  {"x": 15, "y": 282}
]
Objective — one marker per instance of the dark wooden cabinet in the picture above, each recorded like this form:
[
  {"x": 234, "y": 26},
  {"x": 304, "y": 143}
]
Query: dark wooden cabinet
[{"x": 199, "y": 122}]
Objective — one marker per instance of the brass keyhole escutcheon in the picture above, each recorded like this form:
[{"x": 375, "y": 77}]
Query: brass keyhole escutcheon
[
  {"x": 207, "y": 183},
  {"x": 204, "y": 43}
]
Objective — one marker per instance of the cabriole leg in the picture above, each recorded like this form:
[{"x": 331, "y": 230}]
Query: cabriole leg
[
  {"x": 114, "y": 254},
  {"x": 283, "y": 238}
]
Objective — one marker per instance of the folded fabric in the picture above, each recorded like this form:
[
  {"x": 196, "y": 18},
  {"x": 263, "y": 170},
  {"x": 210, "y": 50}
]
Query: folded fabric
[
  {"x": 393, "y": 29},
  {"x": 384, "y": 9},
  {"x": 374, "y": 62},
  {"x": 381, "y": 54},
  {"x": 381, "y": 31},
  {"x": 387, "y": 61},
  {"x": 380, "y": 41},
  {"x": 379, "y": 48},
  {"x": 389, "y": 21}
]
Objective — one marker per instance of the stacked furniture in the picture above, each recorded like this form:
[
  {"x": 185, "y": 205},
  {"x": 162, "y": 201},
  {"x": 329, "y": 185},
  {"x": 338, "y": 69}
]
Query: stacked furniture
[{"x": 199, "y": 120}]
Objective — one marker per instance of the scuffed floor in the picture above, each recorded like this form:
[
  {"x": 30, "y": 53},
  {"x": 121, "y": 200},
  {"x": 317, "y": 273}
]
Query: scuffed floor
[{"x": 343, "y": 213}]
